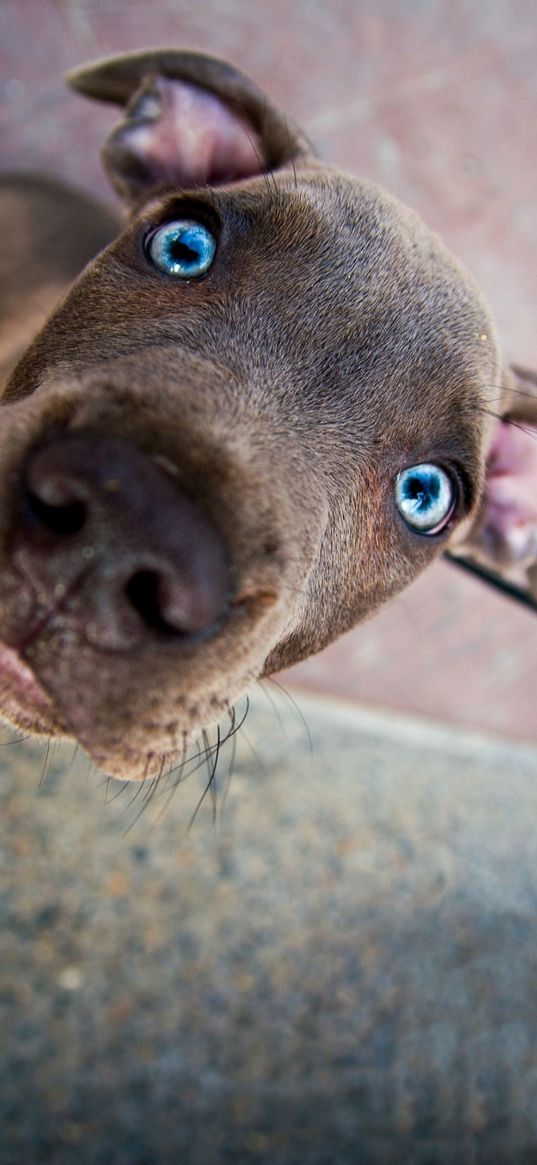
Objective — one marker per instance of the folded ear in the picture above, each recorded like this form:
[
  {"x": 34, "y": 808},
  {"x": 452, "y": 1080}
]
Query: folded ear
[
  {"x": 504, "y": 536},
  {"x": 190, "y": 120}
]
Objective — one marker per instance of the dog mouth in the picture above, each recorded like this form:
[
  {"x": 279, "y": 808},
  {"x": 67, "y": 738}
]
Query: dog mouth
[
  {"x": 25, "y": 703},
  {"x": 124, "y": 738},
  {"x": 23, "y": 699},
  {"x": 53, "y": 682}
]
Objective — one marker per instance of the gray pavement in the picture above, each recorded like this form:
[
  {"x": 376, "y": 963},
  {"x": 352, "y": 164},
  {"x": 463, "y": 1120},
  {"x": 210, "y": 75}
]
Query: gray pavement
[{"x": 342, "y": 969}]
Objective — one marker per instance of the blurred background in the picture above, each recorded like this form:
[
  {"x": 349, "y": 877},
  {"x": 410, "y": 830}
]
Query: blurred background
[
  {"x": 341, "y": 964},
  {"x": 436, "y": 101}
]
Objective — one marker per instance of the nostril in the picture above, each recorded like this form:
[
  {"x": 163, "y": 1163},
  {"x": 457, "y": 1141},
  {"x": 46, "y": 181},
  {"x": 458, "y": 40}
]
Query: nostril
[
  {"x": 143, "y": 593},
  {"x": 64, "y": 519},
  {"x": 56, "y": 496},
  {"x": 171, "y": 603}
]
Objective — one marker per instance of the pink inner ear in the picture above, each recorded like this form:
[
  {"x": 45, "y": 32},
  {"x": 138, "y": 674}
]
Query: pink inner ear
[
  {"x": 188, "y": 136},
  {"x": 510, "y": 519}
]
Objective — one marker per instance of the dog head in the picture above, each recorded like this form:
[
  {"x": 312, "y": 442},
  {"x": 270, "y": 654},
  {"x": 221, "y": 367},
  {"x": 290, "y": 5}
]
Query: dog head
[{"x": 257, "y": 416}]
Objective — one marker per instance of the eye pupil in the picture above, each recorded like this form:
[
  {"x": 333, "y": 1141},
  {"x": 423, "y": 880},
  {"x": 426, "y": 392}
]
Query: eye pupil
[
  {"x": 183, "y": 253},
  {"x": 415, "y": 489},
  {"x": 422, "y": 490},
  {"x": 425, "y": 496},
  {"x": 184, "y": 249}
]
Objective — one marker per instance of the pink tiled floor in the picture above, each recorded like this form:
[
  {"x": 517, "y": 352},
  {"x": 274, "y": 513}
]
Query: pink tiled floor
[{"x": 438, "y": 102}]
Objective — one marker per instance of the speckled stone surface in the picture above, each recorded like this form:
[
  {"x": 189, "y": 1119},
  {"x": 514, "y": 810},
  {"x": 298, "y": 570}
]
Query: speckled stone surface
[{"x": 342, "y": 969}]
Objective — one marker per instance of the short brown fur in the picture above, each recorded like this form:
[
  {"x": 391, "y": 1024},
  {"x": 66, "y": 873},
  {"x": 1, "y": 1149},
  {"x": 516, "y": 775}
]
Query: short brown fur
[{"x": 334, "y": 342}]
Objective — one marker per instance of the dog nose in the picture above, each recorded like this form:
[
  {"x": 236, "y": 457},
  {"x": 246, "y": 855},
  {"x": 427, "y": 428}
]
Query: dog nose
[{"x": 107, "y": 532}]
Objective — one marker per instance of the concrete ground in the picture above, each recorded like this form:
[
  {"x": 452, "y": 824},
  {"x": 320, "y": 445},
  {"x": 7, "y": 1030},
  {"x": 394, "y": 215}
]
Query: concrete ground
[
  {"x": 345, "y": 970},
  {"x": 342, "y": 969}
]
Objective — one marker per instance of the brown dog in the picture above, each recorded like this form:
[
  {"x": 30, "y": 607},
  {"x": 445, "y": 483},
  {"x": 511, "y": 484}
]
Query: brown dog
[{"x": 258, "y": 414}]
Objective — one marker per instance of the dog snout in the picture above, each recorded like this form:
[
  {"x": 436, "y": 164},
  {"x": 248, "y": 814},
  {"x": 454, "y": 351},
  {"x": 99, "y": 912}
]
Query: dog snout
[{"x": 106, "y": 532}]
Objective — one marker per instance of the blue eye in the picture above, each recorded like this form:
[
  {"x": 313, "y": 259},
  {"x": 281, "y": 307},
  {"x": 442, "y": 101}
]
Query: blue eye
[
  {"x": 426, "y": 497},
  {"x": 184, "y": 249}
]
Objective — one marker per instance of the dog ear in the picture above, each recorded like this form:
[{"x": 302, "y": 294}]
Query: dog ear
[
  {"x": 504, "y": 535},
  {"x": 190, "y": 120}
]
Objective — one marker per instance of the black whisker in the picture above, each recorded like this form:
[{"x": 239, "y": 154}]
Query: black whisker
[
  {"x": 173, "y": 786},
  {"x": 45, "y": 769},
  {"x": 523, "y": 426},
  {"x": 296, "y": 707},
  {"x": 123, "y": 788},
  {"x": 255, "y": 754},
  {"x": 211, "y": 768},
  {"x": 148, "y": 796},
  {"x": 208, "y": 786},
  {"x": 15, "y": 740},
  {"x": 139, "y": 791},
  {"x": 273, "y": 704},
  {"x": 230, "y": 770}
]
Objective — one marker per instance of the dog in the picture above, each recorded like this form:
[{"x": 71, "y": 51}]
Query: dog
[{"x": 258, "y": 409}]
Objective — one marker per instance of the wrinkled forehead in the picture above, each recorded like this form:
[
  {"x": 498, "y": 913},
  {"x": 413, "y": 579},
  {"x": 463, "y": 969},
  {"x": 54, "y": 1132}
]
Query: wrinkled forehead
[
  {"x": 336, "y": 241},
  {"x": 349, "y": 226},
  {"x": 357, "y": 285}
]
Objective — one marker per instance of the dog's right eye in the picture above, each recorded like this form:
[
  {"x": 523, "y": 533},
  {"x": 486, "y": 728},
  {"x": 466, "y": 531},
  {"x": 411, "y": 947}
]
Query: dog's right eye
[
  {"x": 426, "y": 497},
  {"x": 184, "y": 249}
]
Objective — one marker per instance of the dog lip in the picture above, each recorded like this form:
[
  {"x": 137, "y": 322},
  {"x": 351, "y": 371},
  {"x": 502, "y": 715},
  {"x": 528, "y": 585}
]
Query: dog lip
[{"x": 20, "y": 684}]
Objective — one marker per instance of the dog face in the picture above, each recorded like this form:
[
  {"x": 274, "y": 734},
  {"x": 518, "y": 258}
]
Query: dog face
[{"x": 258, "y": 414}]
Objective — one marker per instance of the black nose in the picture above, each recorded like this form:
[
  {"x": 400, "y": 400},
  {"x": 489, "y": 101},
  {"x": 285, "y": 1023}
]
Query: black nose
[{"x": 107, "y": 532}]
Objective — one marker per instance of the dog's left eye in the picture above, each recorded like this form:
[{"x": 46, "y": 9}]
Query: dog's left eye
[
  {"x": 426, "y": 497},
  {"x": 184, "y": 249}
]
